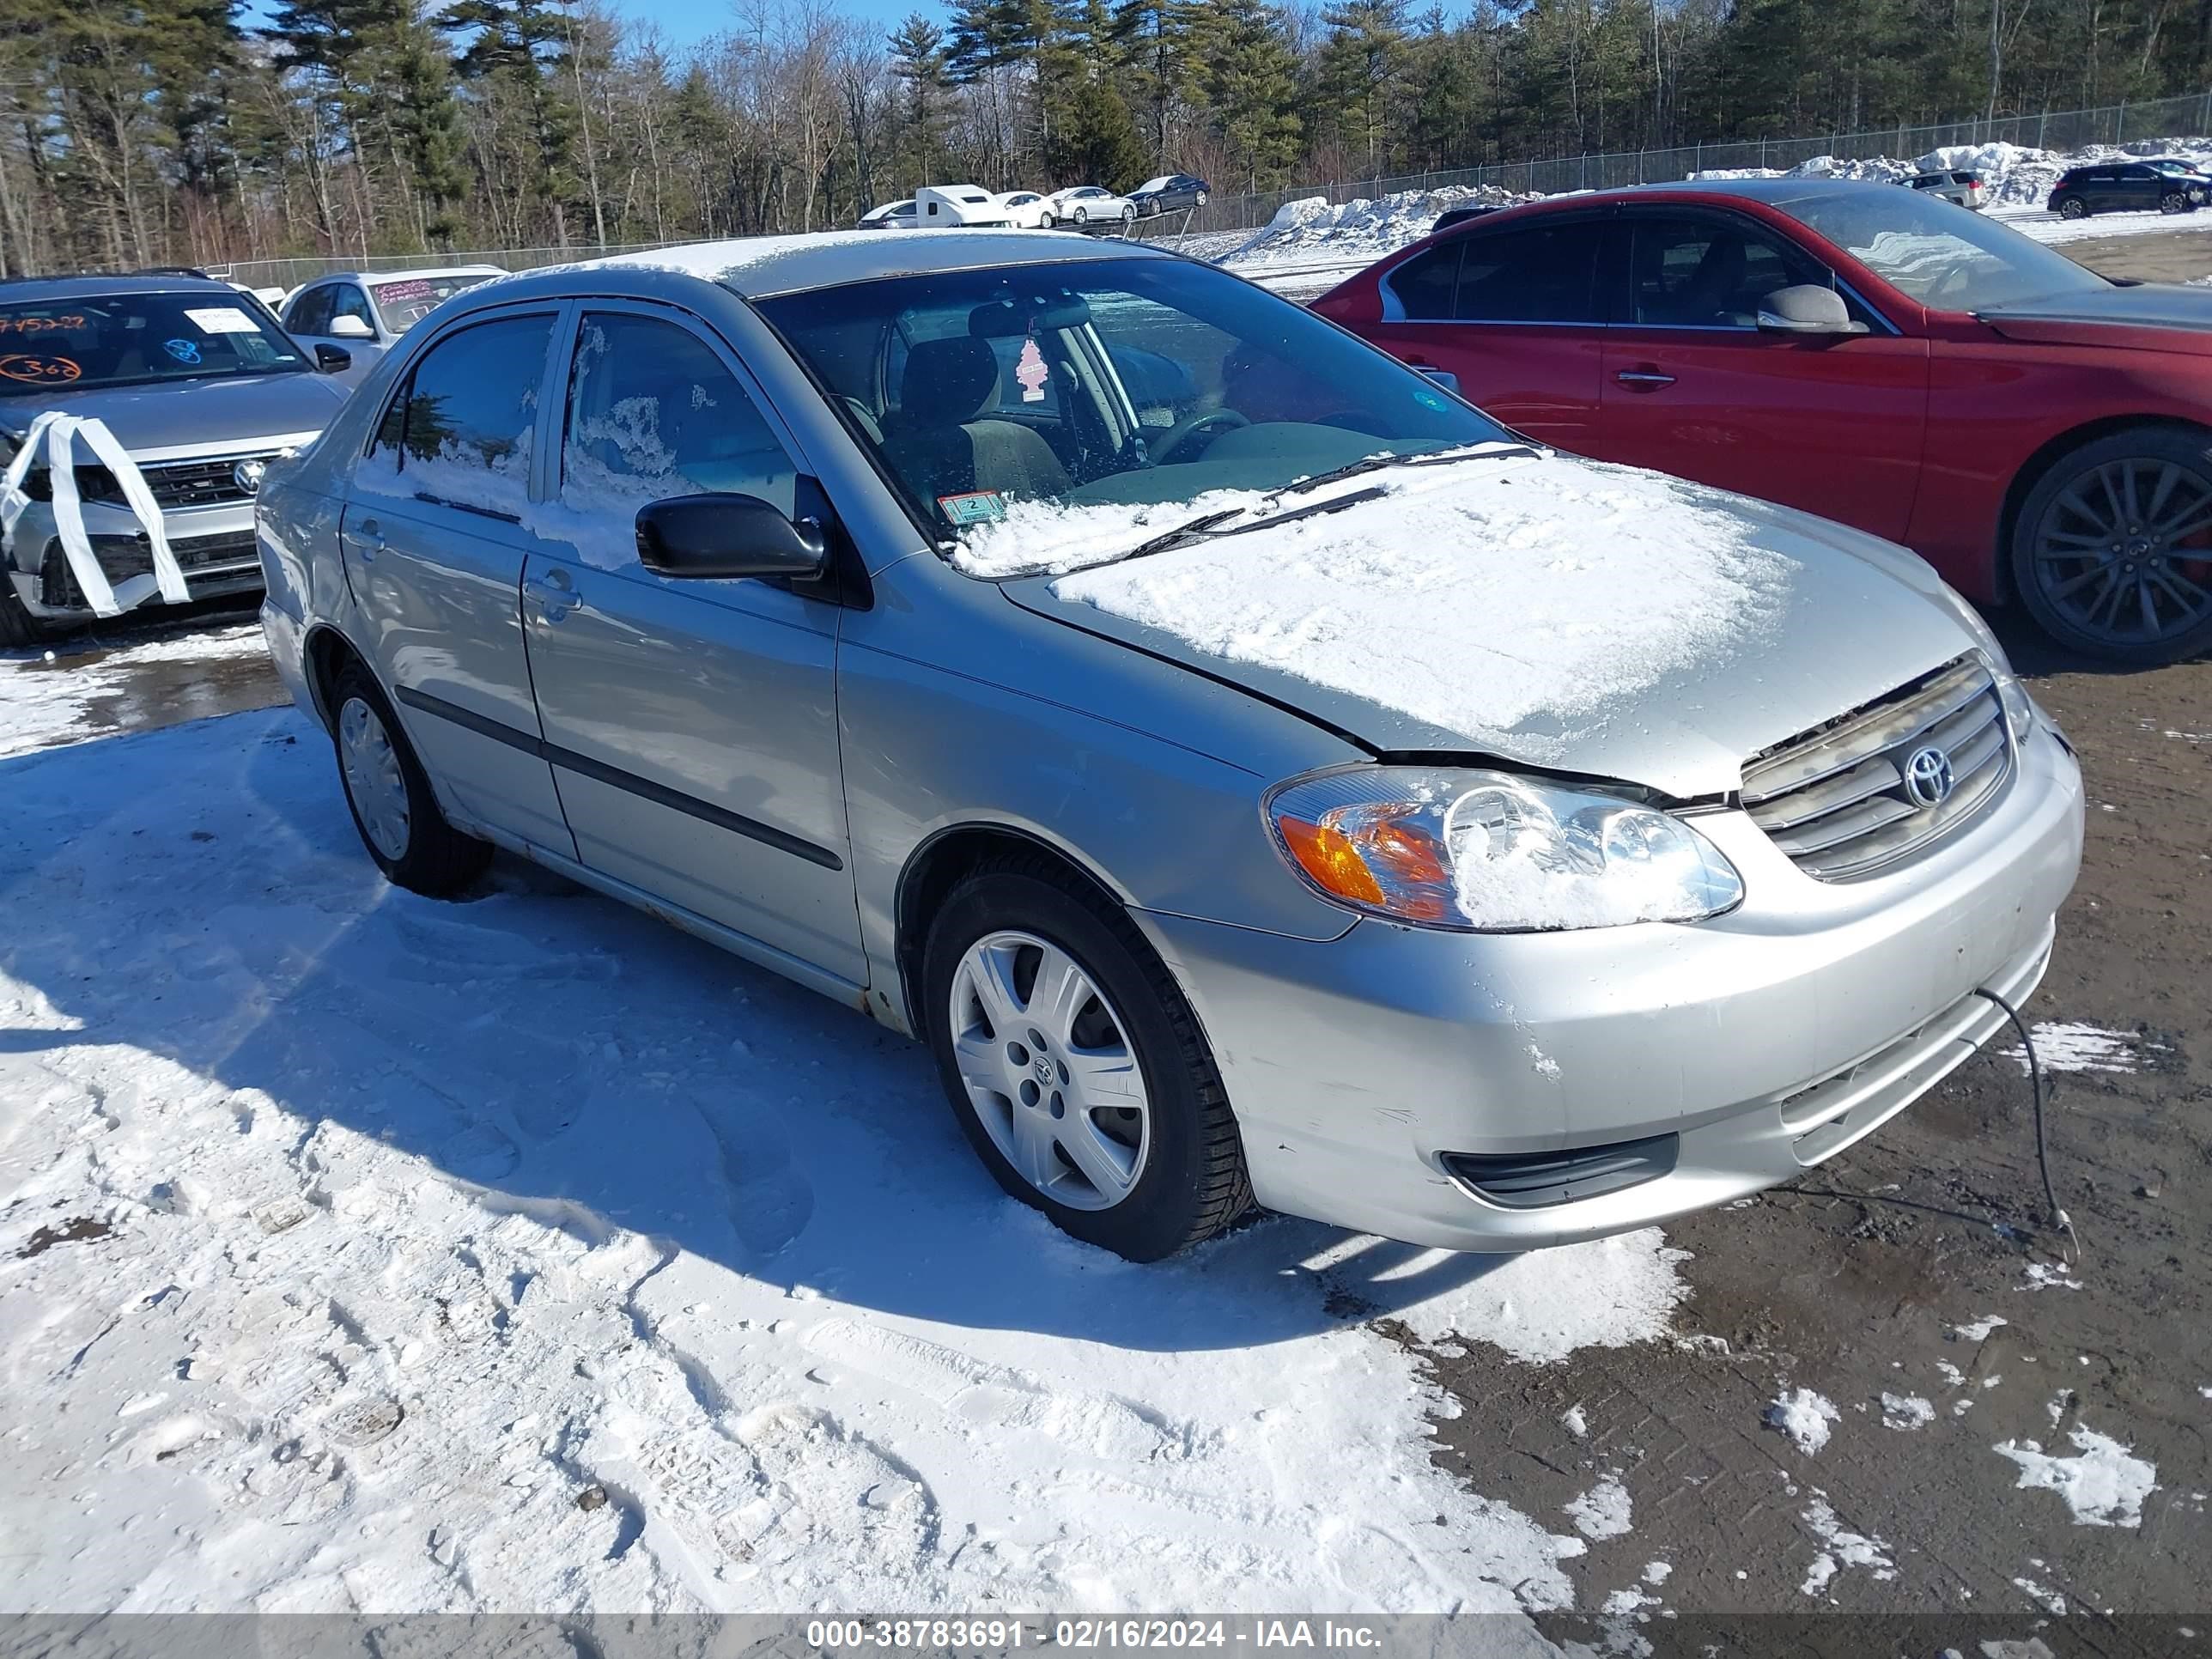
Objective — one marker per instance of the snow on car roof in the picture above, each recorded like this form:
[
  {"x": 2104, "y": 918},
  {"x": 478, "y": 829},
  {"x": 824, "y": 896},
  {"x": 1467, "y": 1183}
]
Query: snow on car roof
[
  {"x": 425, "y": 273},
  {"x": 759, "y": 265}
]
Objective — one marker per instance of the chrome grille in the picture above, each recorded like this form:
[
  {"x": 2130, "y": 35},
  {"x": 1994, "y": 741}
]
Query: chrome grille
[
  {"x": 1836, "y": 799},
  {"x": 174, "y": 484}
]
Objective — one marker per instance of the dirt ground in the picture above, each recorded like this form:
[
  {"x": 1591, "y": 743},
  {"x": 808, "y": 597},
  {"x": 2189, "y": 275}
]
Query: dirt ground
[{"x": 2177, "y": 256}]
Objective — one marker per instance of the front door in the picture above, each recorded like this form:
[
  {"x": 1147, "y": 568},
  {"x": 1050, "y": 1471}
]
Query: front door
[
  {"x": 433, "y": 551},
  {"x": 692, "y": 725},
  {"x": 1516, "y": 315},
  {"x": 1832, "y": 424}
]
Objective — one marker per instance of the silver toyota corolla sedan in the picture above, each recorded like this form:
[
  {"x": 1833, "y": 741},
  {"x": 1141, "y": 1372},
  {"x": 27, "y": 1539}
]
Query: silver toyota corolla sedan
[{"x": 1255, "y": 775}]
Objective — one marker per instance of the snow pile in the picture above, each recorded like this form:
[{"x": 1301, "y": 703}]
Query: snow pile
[
  {"x": 1313, "y": 224},
  {"x": 2104, "y": 1484},
  {"x": 1552, "y": 592},
  {"x": 1882, "y": 169},
  {"x": 1906, "y": 1411},
  {"x": 51, "y": 698},
  {"x": 1979, "y": 1330},
  {"x": 1804, "y": 1416},
  {"x": 1602, "y": 1512},
  {"x": 2013, "y": 175},
  {"x": 1840, "y": 1548},
  {"x": 366, "y": 1252}
]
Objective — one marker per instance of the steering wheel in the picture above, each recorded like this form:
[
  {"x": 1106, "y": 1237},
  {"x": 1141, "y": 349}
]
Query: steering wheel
[{"x": 1216, "y": 421}]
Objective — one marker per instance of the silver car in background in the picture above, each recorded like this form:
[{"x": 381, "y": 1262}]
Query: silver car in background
[
  {"x": 1254, "y": 773},
  {"x": 365, "y": 311},
  {"x": 201, "y": 390}
]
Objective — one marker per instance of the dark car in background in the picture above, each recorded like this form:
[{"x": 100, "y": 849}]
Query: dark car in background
[
  {"x": 1459, "y": 216},
  {"x": 2151, "y": 186},
  {"x": 2034, "y": 430},
  {"x": 1170, "y": 193}
]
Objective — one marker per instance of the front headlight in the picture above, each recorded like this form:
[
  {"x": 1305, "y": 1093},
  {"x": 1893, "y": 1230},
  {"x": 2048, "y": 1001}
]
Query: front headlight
[{"x": 1490, "y": 852}]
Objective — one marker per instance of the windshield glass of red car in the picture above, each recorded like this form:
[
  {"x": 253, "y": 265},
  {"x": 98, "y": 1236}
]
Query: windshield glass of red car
[{"x": 1941, "y": 256}]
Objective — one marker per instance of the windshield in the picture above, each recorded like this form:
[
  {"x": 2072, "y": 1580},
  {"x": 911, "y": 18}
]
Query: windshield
[
  {"x": 406, "y": 302},
  {"x": 1942, "y": 257},
  {"x": 1104, "y": 382},
  {"x": 2171, "y": 168},
  {"x": 129, "y": 339}
]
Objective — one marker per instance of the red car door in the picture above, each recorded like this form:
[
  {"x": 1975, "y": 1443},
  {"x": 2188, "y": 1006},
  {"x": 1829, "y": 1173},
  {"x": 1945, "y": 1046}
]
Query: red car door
[
  {"x": 1833, "y": 424},
  {"x": 1517, "y": 313}
]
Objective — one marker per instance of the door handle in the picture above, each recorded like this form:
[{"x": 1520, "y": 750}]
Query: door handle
[
  {"x": 553, "y": 596},
  {"x": 367, "y": 539},
  {"x": 1643, "y": 379}
]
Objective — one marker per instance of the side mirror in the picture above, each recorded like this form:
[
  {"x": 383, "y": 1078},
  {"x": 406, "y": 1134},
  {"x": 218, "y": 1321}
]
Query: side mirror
[
  {"x": 350, "y": 328},
  {"x": 1443, "y": 377},
  {"x": 719, "y": 535},
  {"x": 333, "y": 360},
  {"x": 1807, "y": 309}
]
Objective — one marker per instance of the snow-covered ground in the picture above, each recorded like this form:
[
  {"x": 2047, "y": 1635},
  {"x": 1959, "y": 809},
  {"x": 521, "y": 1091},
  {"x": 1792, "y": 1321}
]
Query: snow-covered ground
[
  {"x": 60, "y": 695},
  {"x": 360, "y": 1252}
]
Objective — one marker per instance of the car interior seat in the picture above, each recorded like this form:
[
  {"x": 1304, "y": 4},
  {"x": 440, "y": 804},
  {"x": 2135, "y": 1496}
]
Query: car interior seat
[{"x": 945, "y": 440}]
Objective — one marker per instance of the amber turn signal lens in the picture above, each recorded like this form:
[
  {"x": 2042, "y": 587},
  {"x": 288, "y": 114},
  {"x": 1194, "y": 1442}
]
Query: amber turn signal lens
[{"x": 1328, "y": 856}]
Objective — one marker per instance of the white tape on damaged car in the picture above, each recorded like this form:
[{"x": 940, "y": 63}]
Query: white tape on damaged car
[{"x": 61, "y": 433}]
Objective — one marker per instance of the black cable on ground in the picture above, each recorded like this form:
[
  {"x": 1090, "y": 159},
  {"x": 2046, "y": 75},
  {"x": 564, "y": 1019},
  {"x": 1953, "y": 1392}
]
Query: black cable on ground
[{"x": 2059, "y": 1218}]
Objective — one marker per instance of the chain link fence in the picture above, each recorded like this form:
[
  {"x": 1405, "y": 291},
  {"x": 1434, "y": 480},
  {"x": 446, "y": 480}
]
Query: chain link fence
[
  {"x": 2117, "y": 125},
  {"x": 2063, "y": 130}
]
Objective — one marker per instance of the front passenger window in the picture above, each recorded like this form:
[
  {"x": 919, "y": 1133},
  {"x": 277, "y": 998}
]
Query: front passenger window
[{"x": 653, "y": 412}]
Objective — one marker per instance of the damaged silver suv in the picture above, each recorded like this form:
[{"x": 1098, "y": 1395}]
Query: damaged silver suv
[{"x": 197, "y": 389}]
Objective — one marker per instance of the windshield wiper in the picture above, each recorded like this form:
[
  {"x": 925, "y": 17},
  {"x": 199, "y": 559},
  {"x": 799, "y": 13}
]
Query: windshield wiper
[
  {"x": 1203, "y": 529},
  {"x": 1377, "y": 463}
]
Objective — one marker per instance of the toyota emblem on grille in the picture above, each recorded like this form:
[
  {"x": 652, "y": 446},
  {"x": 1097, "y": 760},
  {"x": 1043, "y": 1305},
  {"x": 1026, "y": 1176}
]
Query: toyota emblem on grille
[
  {"x": 247, "y": 474},
  {"x": 1927, "y": 776}
]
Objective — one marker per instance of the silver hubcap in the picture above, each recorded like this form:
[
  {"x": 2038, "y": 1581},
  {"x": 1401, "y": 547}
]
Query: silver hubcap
[
  {"x": 374, "y": 780},
  {"x": 1048, "y": 1068},
  {"x": 2124, "y": 552}
]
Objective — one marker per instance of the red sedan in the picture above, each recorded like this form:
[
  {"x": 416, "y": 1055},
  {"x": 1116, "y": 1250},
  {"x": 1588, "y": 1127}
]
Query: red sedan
[{"x": 1866, "y": 353}]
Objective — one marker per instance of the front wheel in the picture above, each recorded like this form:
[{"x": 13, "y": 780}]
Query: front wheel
[
  {"x": 2074, "y": 207},
  {"x": 2112, "y": 550},
  {"x": 393, "y": 806},
  {"x": 2173, "y": 201},
  {"x": 1046, "y": 221},
  {"x": 1201, "y": 199},
  {"x": 18, "y": 627},
  {"x": 1128, "y": 216},
  {"x": 1075, "y": 1065}
]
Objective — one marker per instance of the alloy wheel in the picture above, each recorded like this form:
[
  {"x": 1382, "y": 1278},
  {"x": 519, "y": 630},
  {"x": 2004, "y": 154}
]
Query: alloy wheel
[
  {"x": 2074, "y": 210},
  {"x": 1049, "y": 1068},
  {"x": 2123, "y": 553},
  {"x": 373, "y": 777}
]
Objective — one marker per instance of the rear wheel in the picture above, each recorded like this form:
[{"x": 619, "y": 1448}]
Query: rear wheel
[
  {"x": 2074, "y": 207},
  {"x": 1046, "y": 220},
  {"x": 1074, "y": 1064},
  {"x": 1129, "y": 215},
  {"x": 1082, "y": 215},
  {"x": 393, "y": 806},
  {"x": 2112, "y": 552}
]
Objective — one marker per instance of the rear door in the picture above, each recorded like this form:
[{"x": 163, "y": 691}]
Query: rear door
[
  {"x": 1517, "y": 313},
  {"x": 1833, "y": 424},
  {"x": 2137, "y": 187},
  {"x": 433, "y": 551},
  {"x": 692, "y": 725}
]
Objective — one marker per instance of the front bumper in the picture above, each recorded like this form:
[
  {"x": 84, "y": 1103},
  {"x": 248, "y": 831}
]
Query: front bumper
[
  {"x": 1765, "y": 1040},
  {"x": 213, "y": 545}
]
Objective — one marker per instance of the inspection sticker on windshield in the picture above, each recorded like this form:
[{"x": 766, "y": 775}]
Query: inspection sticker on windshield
[
  {"x": 222, "y": 319},
  {"x": 976, "y": 507}
]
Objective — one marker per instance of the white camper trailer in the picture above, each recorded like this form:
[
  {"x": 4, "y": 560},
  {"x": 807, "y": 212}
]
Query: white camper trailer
[{"x": 942, "y": 206}]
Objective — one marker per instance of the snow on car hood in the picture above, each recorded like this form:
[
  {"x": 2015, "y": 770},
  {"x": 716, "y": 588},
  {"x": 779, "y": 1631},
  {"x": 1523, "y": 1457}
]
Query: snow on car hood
[
  {"x": 1555, "y": 612},
  {"x": 155, "y": 420}
]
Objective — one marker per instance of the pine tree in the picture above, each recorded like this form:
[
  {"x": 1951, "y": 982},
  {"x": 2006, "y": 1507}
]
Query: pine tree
[
  {"x": 1360, "y": 64},
  {"x": 1246, "y": 76},
  {"x": 918, "y": 62}
]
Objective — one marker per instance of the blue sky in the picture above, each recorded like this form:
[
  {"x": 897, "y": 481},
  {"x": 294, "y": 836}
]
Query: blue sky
[{"x": 685, "y": 22}]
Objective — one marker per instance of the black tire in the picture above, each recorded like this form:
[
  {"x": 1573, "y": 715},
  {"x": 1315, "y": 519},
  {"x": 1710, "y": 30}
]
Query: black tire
[
  {"x": 19, "y": 629},
  {"x": 2075, "y": 553},
  {"x": 2074, "y": 207},
  {"x": 1192, "y": 1181},
  {"x": 436, "y": 860},
  {"x": 2173, "y": 201}
]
